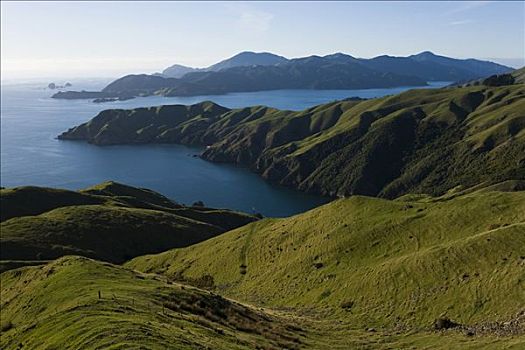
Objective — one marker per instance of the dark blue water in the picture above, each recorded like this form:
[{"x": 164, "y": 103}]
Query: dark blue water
[{"x": 31, "y": 155}]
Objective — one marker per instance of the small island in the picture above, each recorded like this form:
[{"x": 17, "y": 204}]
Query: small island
[{"x": 53, "y": 86}]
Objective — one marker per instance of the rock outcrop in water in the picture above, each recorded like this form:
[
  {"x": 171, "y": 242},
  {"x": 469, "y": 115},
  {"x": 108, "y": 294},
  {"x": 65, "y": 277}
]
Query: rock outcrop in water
[
  {"x": 53, "y": 86},
  {"x": 78, "y": 95},
  {"x": 387, "y": 146}
]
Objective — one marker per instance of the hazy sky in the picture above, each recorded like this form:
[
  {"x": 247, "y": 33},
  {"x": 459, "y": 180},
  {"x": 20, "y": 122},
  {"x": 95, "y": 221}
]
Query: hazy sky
[{"x": 63, "y": 39}]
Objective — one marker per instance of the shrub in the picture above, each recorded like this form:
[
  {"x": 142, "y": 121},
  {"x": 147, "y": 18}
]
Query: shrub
[
  {"x": 499, "y": 80},
  {"x": 6, "y": 326},
  {"x": 326, "y": 293},
  {"x": 347, "y": 305},
  {"x": 318, "y": 265},
  {"x": 444, "y": 323}
]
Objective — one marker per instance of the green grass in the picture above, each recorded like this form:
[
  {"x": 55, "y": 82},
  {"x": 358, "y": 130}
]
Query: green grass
[
  {"x": 32, "y": 200},
  {"x": 519, "y": 75},
  {"x": 111, "y": 222},
  {"x": 398, "y": 263},
  {"x": 43, "y": 309},
  {"x": 358, "y": 273}
]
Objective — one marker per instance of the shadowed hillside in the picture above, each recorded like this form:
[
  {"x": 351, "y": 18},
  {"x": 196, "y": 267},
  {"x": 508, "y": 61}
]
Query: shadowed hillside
[
  {"x": 110, "y": 221},
  {"x": 246, "y": 58}
]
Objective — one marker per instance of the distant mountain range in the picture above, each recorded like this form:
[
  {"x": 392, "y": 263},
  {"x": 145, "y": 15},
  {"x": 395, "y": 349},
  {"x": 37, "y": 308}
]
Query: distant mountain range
[
  {"x": 425, "y": 65},
  {"x": 249, "y": 71}
]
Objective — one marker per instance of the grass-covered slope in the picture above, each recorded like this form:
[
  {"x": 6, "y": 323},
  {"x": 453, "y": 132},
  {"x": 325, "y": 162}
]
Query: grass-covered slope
[
  {"x": 420, "y": 141},
  {"x": 78, "y": 303},
  {"x": 110, "y": 221},
  {"x": 43, "y": 309},
  {"x": 373, "y": 262},
  {"x": 519, "y": 75},
  {"x": 31, "y": 200}
]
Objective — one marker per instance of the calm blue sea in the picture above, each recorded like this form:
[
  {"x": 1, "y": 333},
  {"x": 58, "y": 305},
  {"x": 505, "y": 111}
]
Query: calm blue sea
[{"x": 31, "y": 155}]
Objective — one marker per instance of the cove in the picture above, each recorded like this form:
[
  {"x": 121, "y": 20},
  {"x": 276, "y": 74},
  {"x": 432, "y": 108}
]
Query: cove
[{"x": 31, "y": 155}]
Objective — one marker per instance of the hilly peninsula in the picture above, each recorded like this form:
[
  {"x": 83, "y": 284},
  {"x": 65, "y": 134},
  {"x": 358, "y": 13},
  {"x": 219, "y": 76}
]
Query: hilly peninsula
[
  {"x": 419, "y": 141},
  {"x": 250, "y": 71}
]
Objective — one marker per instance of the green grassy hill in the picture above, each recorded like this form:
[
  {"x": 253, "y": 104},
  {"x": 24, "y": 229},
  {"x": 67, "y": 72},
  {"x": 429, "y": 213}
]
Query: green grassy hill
[
  {"x": 43, "y": 309},
  {"x": 110, "y": 221},
  {"x": 32, "y": 200},
  {"x": 373, "y": 262},
  {"x": 57, "y": 306},
  {"x": 419, "y": 141},
  {"x": 361, "y": 272}
]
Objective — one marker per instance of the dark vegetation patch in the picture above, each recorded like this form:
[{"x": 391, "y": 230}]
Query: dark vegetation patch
[
  {"x": 318, "y": 265},
  {"x": 444, "y": 323},
  {"x": 203, "y": 282},
  {"x": 347, "y": 305},
  {"x": 499, "y": 80},
  {"x": 236, "y": 317}
]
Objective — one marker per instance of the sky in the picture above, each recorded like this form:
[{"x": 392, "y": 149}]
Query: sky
[{"x": 106, "y": 39}]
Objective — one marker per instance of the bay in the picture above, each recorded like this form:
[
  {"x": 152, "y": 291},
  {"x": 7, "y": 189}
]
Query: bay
[{"x": 31, "y": 154}]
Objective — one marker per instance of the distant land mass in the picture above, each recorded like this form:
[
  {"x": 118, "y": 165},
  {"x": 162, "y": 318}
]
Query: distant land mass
[
  {"x": 387, "y": 147},
  {"x": 242, "y": 59},
  {"x": 53, "y": 86},
  {"x": 249, "y": 71}
]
